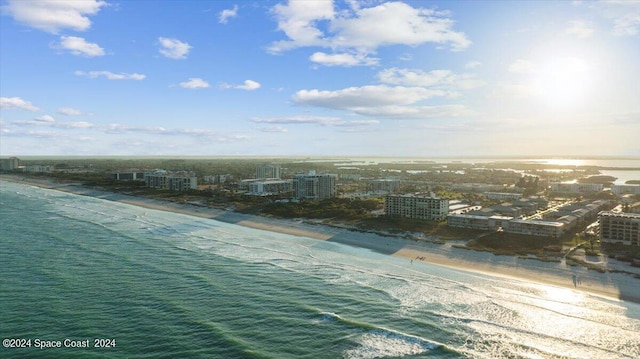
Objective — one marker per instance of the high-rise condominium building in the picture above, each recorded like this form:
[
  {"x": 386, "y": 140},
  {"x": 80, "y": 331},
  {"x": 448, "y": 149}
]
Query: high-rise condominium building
[
  {"x": 315, "y": 186},
  {"x": 268, "y": 171},
  {"x": 417, "y": 206}
]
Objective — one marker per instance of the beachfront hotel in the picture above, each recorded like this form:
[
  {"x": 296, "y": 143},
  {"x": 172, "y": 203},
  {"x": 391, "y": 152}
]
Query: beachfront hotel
[
  {"x": 270, "y": 187},
  {"x": 177, "y": 181},
  {"x": 416, "y": 206},
  {"x": 9, "y": 164},
  {"x": 314, "y": 186},
  {"x": 623, "y": 228},
  {"x": 483, "y": 223},
  {"x": 536, "y": 228}
]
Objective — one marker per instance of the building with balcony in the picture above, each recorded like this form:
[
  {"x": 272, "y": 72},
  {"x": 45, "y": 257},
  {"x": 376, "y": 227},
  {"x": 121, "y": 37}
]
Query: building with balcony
[
  {"x": 620, "y": 189},
  {"x": 385, "y": 185},
  {"x": 576, "y": 187},
  {"x": 176, "y": 181},
  {"x": 621, "y": 228},
  {"x": 269, "y": 187},
  {"x": 39, "y": 168},
  {"x": 484, "y": 223},
  {"x": 268, "y": 171},
  {"x": 416, "y": 206},
  {"x": 314, "y": 186},
  {"x": 9, "y": 164},
  {"x": 536, "y": 228}
]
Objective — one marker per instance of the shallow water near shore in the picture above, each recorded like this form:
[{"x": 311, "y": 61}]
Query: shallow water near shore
[{"x": 170, "y": 285}]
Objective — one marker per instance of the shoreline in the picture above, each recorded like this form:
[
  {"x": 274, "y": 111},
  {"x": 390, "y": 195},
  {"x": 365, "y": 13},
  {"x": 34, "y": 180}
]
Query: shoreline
[{"x": 616, "y": 286}]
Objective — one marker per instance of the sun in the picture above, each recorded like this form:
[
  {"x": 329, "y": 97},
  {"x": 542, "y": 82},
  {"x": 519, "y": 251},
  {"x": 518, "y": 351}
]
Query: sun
[{"x": 563, "y": 82}]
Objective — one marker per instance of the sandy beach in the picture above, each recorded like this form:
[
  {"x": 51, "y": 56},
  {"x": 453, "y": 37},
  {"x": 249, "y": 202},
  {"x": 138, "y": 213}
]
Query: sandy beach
[{"x": 609, "y": 284}]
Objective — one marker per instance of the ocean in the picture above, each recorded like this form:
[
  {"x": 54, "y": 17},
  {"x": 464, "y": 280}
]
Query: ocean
[{"x": 142, "y": 283}]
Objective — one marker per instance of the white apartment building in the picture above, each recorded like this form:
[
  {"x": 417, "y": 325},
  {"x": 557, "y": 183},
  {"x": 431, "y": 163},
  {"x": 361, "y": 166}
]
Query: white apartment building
[
  {"x": 502, "y": 195},
  {"x": 268, "y": 171},
  {"x": 536, "y": 228},
  {"x": 179, "y": 181},
  {"x": 619, "y": 228},
  {"x": 620, "y": 189},
  {"x": 39, "y": 169},
  {"x": 576, "y": 187},
  {"x": 416, "y": 206},
  {"x": 9, "y": 164},
  {"x": 314, "y": 186},
  {"x": 270, "y": 187},
  {"x": 484, "y": 223},
  {"x": 385, "y": 185}
]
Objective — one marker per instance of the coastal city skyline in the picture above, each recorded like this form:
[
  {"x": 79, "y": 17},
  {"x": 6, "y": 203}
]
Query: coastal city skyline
[{"x": 319, "y": 78}]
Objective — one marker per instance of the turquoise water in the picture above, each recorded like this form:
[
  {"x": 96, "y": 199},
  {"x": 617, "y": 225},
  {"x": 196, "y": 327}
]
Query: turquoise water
[{"x": 165, "y": 285}]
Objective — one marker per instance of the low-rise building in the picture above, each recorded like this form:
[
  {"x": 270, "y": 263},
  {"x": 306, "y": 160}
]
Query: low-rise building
[
  {"x": 620, "y": 189},
  {"x": 476, "y": 187},
  {"x": 217, "y": 179},
  {"x": 492, "y": 223},
  {"x": 417, "y": 206},
  {"x": 39, "y": 168},
  {"x": 269, "y": 187},
  {"x": 502, "y": 195},
  {"x": 576, "y": 187},
  {"x": 536, "y": 228},
  {"x": 621, "y": 228}
]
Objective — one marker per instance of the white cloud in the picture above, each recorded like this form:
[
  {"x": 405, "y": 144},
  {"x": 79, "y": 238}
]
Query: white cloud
[
  {"x": 363, "y": 30},
  {"x": 343, "y": 59},
  {"x": 49, "y": 121},
  {"x": 17, "y": 103},
  {"x": 397, "y": 23},
  {"x": 579, "y": 29},
  {"x": 298, "y": 20},
  {"x": 72, "y": 125},
  {"x": 116, "y": 129},
  {"x": 472, "y": 64},
  {"x": 54, "y": 15},
  {"x": 111, "y": 76},
  {"x": 68, "y": 111},
  {"x": 443, "y": 79},
  {"x": 415, "y": 112},
  {"x": 314, "y": 120},
  {"x": 279, "y": 129},
  {"x": 194, "y": 83},
  {"x": 78, "y": 46},
  {"x": 227, "y": 14},
  {"x": 522, "y": 67},
  {"x": 382, "y": 101},
  {"x": 627, "y": 25},
  {"x": 174, "y": 48},
  {"x": 45, "y": 118},
  {"x": 365, "y": 96},
  {"x": 248, "y": 85}
]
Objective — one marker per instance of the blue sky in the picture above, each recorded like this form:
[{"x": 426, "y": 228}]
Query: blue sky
[{"x": 320, "y": 78}]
